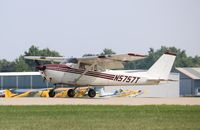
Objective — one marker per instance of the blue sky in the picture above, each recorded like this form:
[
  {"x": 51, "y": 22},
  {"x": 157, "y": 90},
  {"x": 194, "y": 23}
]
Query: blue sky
[{"x": 76, "y": 27}]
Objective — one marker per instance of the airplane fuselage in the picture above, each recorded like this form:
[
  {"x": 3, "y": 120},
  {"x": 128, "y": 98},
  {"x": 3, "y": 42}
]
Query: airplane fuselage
[{"x": 63, "y": 74}]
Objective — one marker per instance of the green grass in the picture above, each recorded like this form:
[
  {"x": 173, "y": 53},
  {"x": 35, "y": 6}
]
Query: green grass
[{"x": 99, "y": 117}]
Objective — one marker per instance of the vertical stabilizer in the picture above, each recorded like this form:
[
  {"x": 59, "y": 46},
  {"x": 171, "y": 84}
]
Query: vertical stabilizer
[{"x": 162, "y": 67}]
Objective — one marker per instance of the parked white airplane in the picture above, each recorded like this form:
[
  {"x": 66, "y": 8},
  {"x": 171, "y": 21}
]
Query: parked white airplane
[{"x": 96, "y": 71}]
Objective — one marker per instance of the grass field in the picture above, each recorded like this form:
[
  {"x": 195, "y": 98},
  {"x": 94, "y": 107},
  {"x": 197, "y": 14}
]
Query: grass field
[{"x": 99, "y": 117}]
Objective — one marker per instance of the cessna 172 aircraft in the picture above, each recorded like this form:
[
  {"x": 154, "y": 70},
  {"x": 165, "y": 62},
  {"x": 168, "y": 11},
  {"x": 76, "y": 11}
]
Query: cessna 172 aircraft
[{"x": 97, "y": 71}]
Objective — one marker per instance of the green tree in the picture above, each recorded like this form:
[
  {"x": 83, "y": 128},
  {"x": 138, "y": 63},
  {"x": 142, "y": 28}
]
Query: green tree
[
  {"x": 107, "y": 51},
  {"x": 7, "y": 66},
  {"x": 182, "y": 60},
  {"x": 196, "y": 61},
  {"x": 20, "y": 65},
  {"x": 35, "y": 51}
]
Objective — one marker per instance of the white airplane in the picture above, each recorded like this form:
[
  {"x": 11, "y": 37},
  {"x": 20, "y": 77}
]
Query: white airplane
[{"x": 97, "y": 71}]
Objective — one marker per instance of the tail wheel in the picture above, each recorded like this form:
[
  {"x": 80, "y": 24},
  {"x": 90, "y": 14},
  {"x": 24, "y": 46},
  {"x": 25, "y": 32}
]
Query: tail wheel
[
  {"x": 71, "y": 93},
  {"x": 91, "y": 93},
  {"x": 52, "y": 93}
]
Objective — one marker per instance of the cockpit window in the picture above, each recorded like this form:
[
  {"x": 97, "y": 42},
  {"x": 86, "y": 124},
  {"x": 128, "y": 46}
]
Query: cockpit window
[
  {"x": 70, "y": 60},
  {"x": 82, "y": 66}
]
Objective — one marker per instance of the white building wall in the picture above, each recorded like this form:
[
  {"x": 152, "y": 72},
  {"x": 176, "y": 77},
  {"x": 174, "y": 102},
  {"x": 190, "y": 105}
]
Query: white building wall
[{"x": 169, "y": 89}]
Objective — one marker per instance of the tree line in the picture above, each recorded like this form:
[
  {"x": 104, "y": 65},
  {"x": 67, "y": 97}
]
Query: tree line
[
  {"x": 22, "y": 65},
  {"x": 182, "y": 60}
]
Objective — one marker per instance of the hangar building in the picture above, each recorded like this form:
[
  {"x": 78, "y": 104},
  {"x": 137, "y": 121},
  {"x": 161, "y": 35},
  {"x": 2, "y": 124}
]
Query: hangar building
[
  {"x": 22, "y": 80},
  {"x": 189, "y": 81}
]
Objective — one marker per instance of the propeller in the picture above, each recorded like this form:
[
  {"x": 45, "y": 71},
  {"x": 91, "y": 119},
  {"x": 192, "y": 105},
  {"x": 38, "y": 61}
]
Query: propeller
[{"x": 41, "y": 67}]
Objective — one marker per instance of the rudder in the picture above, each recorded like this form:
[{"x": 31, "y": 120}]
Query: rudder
[{"x": 162, "y": 67}]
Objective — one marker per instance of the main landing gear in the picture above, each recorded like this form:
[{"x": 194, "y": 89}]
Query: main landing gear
[
  {"x": 52, "y": 93},
  {"x": 91, "y": 93},
  {"x": 72, "y": 92}
]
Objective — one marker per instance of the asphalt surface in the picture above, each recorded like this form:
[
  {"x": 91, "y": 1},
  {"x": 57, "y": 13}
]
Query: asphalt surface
[{"x": 100, "y": 101}]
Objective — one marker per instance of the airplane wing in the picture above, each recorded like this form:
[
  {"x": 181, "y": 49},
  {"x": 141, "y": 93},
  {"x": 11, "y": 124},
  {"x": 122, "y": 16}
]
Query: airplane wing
[
  {"x": 45, "y": 58},
  {"x": 111, "y": 61},
  {"x": 105, "y": 61}
]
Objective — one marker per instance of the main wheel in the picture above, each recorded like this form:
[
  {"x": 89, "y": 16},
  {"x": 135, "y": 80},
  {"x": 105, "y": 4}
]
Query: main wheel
[
  {"x": 71, "y": 93},
  {"x": 91, "y": 93},
  {"x": 52, "y": 93}
]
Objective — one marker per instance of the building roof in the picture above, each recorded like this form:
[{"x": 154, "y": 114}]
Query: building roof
[
  {"x": 19, "y": 73},
  {"x": 193, "y": 73}
]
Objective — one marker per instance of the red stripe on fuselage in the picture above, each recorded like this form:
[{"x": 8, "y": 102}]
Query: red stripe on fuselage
[{"x": 80, "y": 71}]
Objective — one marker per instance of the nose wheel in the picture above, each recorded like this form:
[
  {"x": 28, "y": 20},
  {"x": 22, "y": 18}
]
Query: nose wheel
[{"x": 52, "y": 92}]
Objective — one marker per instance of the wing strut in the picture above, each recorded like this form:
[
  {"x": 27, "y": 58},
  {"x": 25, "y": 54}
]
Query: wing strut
[{"x": 86, "y": 70}]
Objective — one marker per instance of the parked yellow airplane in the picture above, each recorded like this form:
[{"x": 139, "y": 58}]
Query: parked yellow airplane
[
  {"x": 9, "y": 94},
  {"x": 59, "y": 92}
]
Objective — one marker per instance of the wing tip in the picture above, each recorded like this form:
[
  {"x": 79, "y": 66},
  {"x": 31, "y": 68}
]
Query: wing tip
[
  {"x": 134, "y": 54},
  {"x": 170, "y": 53},
  {"x": 102, "y": 56}
]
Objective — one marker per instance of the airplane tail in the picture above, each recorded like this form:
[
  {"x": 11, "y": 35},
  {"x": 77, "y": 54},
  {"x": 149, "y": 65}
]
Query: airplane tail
[{"x": 161, "y": 68}]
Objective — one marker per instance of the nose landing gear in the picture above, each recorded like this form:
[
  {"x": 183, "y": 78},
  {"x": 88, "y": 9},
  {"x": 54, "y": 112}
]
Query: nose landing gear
[{"x": 52, "y": 92}]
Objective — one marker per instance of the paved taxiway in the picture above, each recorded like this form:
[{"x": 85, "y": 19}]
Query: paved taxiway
[{"x": 100, "y": 101}]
